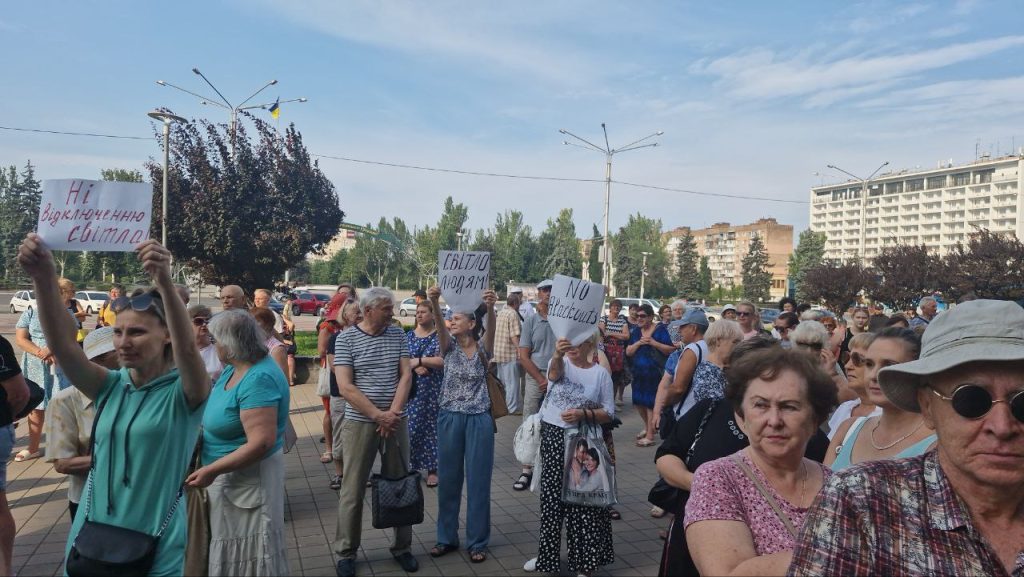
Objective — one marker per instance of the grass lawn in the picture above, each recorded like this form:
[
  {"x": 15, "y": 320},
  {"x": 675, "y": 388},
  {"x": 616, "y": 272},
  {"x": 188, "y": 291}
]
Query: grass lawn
[{"x": 305, "y": 341}]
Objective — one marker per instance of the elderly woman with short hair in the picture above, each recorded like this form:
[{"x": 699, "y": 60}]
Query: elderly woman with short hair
[
  {"x": 242, "y": 460},
  {"x": 812, "y": 336},
  {"x": 754, "y": 500}
]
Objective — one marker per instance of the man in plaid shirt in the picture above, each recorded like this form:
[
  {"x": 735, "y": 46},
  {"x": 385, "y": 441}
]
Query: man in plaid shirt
[
  {"x": 508, "y": 327},
  {"x": 956, "y": 510}
]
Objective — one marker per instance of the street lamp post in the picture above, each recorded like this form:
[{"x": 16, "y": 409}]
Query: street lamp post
[
  {"x": 166, "y": 118},
  {"x": 608, "y": 153},
  {"x": 234, "y": 110},
  {"x": 643, "y": 274},
  {"x": 863, "y": 204},
  {"x": 458, "y": 240}
]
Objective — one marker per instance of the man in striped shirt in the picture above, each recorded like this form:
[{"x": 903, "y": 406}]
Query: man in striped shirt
[{"x": 371, "y": 362}]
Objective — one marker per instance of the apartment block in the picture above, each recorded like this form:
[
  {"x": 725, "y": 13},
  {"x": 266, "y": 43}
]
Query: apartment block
[
  {"x": 344, "y": 240},
  {"x": 938, "y": 208},
  {"x": 725, "y": 245}
]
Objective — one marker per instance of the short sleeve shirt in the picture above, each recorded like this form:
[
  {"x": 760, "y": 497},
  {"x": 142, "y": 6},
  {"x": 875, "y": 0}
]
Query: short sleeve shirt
[
  {"x": 578, "y": 389},
  {"x": 507, "y": 327},
  {"x": 721, "y": 491},
  {"x": 376, "y": 365},
  {"x": 262, "y": 386},
  {"x": 464, "y": 389},
  {"x": 69, "y": 417},
  {"x": 537, "y": 337}
]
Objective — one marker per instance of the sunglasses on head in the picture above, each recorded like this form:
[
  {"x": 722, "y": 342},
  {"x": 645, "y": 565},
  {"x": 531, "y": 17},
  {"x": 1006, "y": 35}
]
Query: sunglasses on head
[
  {"x": 974, "y": 402},
  {"x": 140, "y": 303}
]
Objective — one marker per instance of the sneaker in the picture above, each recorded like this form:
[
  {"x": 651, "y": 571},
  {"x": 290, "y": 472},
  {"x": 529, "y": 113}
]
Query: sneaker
[
  {"x": 346, "y": 568},
  {"x": 408, "y": 562},
  {"x": 530, "y": 566},
  {"x": 336, "y": 482}
]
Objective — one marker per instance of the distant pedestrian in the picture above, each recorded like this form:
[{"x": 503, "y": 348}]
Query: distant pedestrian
[
  {"x": 614, "y": 330},
  {"x": 508, "y": 329},
  {"x": 428, "y": 372}
]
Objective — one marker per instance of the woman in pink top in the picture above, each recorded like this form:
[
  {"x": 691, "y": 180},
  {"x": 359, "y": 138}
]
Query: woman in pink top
[
  {"x": 265, "y": 319},
  {"x": 755, "y": 500}
]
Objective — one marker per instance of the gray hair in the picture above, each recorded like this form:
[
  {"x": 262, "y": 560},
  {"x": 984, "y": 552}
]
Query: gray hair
[
  {"x": 925, "y": 300},
  {"x": 237, "y": 332},
  {"x": 375, "y": 296},
  {"x": 264, "y": 292},
  {"x": 722, "y": 330},
  {"x": 812, "y": 315},
  {"x": 679, "y": 302},
  {"x": 810, "y": 333}
]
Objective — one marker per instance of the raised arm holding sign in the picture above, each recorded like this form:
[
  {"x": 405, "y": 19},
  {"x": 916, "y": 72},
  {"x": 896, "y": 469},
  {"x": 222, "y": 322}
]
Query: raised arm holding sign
[
  {"x": 575, "y": 308},
  {"x": 102, "y": 215},
  {"x": 463, "y": 276}
]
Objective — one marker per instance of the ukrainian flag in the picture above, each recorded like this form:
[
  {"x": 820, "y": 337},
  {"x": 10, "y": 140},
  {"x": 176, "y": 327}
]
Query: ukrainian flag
[{"x": 275, "y": 110}]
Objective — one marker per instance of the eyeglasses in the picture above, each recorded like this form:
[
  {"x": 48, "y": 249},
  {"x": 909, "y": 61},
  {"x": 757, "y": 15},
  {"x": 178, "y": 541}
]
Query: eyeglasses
[
  {"x": 641, "y": 315},
  {"x": 200, "y": 321},
  {"x": 974, "y": 402},
  {"x": 743, "y": 314},
  {"x": 815, "y": 346},
  {"x": 857, "y": 359}
]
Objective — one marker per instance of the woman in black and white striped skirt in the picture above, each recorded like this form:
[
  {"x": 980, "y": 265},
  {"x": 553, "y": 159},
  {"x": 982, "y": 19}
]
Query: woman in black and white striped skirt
[{"x": 580, "y": 388}]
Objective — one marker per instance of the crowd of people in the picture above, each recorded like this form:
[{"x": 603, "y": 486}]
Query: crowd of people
[{"x": 850, "y": 443}]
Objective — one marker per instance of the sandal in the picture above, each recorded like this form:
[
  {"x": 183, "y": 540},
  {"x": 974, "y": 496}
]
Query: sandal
[
  {"x": 657, "y": 512},
  {"x": 641, "y": 434},
  {"x": 645, "y": 442},
  {"x": 615, "y": 515},
  {"x": 442, "y": 549},
  {"x": 431, "y": 480},
  {"x": 25, "y": 455},
  {"x": 327, "y": 457},
  {"x": 477, "y": 556},
  {"x": 523, "y": 482}
]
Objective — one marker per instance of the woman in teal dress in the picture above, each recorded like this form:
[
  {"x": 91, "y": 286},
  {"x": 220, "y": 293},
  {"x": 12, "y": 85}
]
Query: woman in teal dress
[
  {"x": 428, "y": 372},
  {"x": 148, "y": 413}
]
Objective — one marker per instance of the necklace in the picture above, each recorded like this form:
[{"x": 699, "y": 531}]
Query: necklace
[{"x": 894, "y": 443}]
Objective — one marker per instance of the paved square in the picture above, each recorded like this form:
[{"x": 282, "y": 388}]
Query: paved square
[{"x": 38, "y": 498}]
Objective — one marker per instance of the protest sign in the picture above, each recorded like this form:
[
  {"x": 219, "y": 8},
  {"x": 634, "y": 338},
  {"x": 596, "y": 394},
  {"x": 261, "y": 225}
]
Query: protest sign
[
  {"x": 574, "y": 308},
  {"x": 77, "y": 214},
  {"x": 463, "y": 276}
]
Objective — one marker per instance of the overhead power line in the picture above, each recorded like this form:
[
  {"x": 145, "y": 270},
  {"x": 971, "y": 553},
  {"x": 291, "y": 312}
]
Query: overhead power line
[{"x": 451, "y": 170}]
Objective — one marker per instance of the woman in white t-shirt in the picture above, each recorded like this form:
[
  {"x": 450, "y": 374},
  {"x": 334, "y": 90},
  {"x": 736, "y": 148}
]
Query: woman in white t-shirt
[{"x": 580, "y": 389}]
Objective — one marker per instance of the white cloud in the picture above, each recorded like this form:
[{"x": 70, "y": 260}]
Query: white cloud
[
  {"x": 957, "y": 98},
  {"x": 763, "y": 74},
  {"x": 965, "y": 7}
]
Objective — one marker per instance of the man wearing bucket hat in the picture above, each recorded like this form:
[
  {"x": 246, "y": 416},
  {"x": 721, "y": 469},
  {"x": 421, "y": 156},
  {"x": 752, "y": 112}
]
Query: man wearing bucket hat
[
  {"x": 958, "y": 510},
  {"x": 69, "y": 419}
]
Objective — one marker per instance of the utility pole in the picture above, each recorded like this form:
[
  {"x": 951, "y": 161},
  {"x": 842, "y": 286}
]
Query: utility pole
[{"x": 643, "y": 273}]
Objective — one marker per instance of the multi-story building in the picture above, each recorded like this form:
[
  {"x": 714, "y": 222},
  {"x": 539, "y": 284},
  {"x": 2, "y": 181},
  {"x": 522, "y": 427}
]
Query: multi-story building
[
  {"x": 725, "y": 245},
  {"x": 344, "y": 240},
  {"x": 938, "y": 208}
]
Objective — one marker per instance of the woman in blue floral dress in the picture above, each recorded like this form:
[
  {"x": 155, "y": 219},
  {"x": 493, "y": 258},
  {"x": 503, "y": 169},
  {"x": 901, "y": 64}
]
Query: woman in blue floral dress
[{"x": 428, "y": 373}]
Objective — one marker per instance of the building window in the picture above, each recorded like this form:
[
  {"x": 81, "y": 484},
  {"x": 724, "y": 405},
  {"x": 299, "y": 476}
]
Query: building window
[
  {"x": 916, "y": 184},
  {"x": 984, "y": 176},
  {"x": 894, "y": 187},
  {"x": 936, "y": 182},
  {"x": 962, "y": 179}
]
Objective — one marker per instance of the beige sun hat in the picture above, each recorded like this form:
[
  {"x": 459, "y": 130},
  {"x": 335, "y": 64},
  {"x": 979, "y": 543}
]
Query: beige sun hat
[
  {"x": 981, "y": 330},
  {"x": 98, "y": 342}
]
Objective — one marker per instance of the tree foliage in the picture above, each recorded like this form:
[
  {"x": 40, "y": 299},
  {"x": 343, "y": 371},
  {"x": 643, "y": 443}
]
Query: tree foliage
[
  {"x": 20, "y": 194},
  {"x": 513, "y": 243},
  {"x": 905, "y": 273},
  {"x": 757, "y": 279},
  {"x": 639, "y": 235},
  {"x": 835, "y": 284},
  {"x": 595, "y": 267},
  {"x": 688, "y": 280},
  {"x": 991, "y": 266},
  {"x": 809, "y": 252},
  {"x": 565, "y": 257},
  {"x": 705, "y": 278},
  {"x": 244, "y": 219}
]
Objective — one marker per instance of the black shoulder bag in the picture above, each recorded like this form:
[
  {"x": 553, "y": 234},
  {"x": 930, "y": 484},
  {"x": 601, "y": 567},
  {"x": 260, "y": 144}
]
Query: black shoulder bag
[
  {"x": 671, "y": 498},
  {"x": 109, "y": 550}
]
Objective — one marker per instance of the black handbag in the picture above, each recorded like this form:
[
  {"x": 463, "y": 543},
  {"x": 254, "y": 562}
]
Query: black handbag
[
  {"x": 35, "y": 396},
  {"x": 396, "y": 502},
  {"x": 101, "y": 549},
  {"x": 671, "y": 498}
]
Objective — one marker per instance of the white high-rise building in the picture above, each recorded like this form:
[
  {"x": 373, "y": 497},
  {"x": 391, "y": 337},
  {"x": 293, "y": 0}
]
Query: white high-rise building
[{"x": 938, "y": 208}]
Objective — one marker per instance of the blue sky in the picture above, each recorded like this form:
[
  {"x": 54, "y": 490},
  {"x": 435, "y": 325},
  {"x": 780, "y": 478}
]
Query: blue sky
[{"x": 754, "y": 97}]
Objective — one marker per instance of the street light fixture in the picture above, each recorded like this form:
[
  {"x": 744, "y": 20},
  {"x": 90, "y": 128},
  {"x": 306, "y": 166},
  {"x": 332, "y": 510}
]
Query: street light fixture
[
  {"x": 863, "y": 203},
  {"x": 225, "y": 104},
  {"x": 643, "y": 273},
  {"x": 458, "y": 241},
  {"x": 608, "y": 153},
  {"x": 166, "y": 118}
]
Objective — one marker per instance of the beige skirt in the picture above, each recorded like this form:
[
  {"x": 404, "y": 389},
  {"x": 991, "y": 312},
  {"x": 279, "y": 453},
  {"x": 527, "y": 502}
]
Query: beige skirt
[{"x": 247, "y": 520}]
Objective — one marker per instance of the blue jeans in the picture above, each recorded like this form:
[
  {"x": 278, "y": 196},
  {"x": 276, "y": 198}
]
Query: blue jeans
[{"x": 465, "y": 450}]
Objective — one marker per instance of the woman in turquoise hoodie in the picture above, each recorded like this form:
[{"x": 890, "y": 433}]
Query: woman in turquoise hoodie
[{"x": 148, "y": 413}]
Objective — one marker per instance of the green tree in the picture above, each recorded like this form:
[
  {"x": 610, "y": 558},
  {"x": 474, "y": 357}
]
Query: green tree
[
  {"x": 596, "y": 267},
  {"x": 991, "y": 266},
  {"x": 565, "y": 257},
  {"x": 123, "y": 266},
  {"x": 705, "y": 278},
  {"x": 244, "y": 218},
  {"x": 757, "y": 280},
  {"x": 20, "y": 194},
  {"x": 810, "y": 250},
  {"x": 905, "y": 273},
  {"x": 639, "y": 235},
  {"x": 835, "y": 284},
  {"x": 513, "y": 244},
  {"x": 688, "y": 281}
]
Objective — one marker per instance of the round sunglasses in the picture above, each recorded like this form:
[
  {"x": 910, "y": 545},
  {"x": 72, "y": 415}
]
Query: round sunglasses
[{"x": 974, "y": 402}]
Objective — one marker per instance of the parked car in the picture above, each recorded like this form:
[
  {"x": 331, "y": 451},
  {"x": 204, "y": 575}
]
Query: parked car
[
  {"x": 309, "y": 303},
  {"x": 23, "y": 300},
  {"x": 91, "y": 301},
  {"x": 407, "y": 307},
  {"x": 768, "y": 317},
  {"x": 275, "y": 305}
]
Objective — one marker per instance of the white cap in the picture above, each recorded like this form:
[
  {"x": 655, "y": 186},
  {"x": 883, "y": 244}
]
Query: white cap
[{"x": 98, "y": 342}]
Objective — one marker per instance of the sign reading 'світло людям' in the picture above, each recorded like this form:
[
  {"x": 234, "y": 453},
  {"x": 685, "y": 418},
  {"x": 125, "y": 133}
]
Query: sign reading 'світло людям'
[
  {"x": 463, "y": 276},
  {"x": 76, "y": 214}
]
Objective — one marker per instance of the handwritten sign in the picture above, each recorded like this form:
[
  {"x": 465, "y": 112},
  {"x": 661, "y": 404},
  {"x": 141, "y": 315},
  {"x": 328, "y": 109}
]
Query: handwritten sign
[
  {"x": 463, "y": 276},
  {"x": 95, "y": 214},
  {"x": 574, "y": 308}
]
